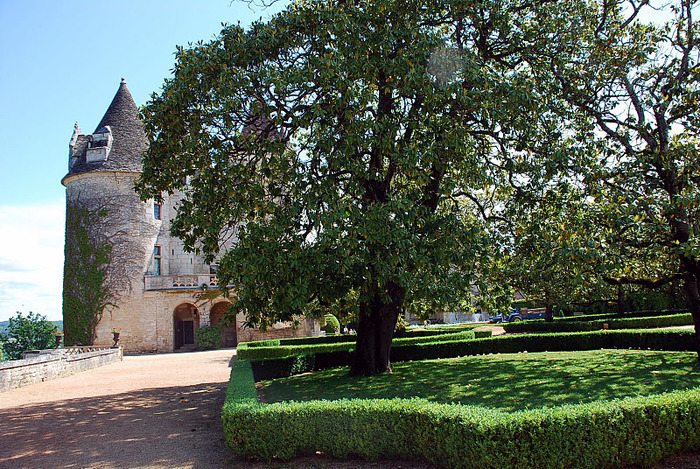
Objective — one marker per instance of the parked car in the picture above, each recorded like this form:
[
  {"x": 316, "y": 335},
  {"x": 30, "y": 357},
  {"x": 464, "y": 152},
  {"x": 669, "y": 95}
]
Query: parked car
[{"x": 512, "y": 317}]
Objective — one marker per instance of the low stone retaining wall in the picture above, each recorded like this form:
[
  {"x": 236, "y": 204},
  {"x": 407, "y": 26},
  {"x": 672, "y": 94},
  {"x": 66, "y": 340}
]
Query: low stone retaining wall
[{"x": 42, "y": 365}]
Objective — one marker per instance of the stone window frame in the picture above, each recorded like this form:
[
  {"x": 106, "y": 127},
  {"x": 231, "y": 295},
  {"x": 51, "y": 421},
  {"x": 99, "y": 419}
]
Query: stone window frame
[
  {"x": 157, "y": 211},
  {"x": 157, "y": 259}
]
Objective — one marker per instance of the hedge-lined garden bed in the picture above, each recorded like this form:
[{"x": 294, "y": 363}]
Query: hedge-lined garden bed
[
  {"x": 336, "y": 339},
  {"x": 639, "y": 430},
  {"x": 628, "y": 315},
  {"x": 268, "y": 349},
  {"x": 684, "y": 319},
  {"x": 271, "y": 368}
]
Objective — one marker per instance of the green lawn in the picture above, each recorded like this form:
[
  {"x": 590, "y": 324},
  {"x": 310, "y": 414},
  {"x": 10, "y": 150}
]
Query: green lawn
[{"x": 506, "y": 381}]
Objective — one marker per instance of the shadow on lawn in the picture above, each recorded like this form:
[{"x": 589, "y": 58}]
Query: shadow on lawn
[{"x": 507, "y": 382}]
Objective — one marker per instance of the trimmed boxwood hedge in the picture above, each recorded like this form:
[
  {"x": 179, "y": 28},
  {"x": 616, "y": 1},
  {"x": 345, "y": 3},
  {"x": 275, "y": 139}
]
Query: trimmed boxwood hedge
[
  {"x": 336, "y": 339},
  {"x": 267, "y": 352},
  {"x": 640, "y": 430},
  {"x": 632, "y": 314},
  {"x": 573, "y": 341},
  {"x": 684, "y": 319}
]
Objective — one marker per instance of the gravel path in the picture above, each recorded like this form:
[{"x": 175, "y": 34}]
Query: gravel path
[
  {"x": 151, "y": 412},
  {"x": 148, "y": 411}
]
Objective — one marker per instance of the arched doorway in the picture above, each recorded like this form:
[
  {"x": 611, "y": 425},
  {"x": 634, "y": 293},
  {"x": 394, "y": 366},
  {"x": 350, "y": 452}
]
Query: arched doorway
[
  {"x": 228, "y": 331},
  {"x": 185, "y": 321}
]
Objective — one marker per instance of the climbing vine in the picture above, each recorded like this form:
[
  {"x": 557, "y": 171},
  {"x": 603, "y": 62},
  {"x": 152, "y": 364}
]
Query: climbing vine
[{"x": 85, "y": 290}]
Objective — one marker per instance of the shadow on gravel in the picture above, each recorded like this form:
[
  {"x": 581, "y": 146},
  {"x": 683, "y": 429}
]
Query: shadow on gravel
[{"x": 165, "y": 427}]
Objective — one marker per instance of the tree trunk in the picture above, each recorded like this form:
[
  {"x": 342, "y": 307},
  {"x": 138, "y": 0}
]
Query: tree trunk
[
  {"x": 548, "y": 307},
  {"x": 375, "y": 331},
  {"x": 693, "y": 299},
  {"x": 620, "y": 301}
]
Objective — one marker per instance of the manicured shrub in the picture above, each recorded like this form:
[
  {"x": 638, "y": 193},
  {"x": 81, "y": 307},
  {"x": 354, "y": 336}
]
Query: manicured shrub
[
  {"x": 287, "y": 366},
  {"x": 639, "y": 430},
  {"x": 328, "y": 339},
  {"x": 633, "y": 314},
  {"x": 261, "y": 343},
  {"x": 261, "y": 353},
  {"x": 685, "y": 319},
  {"x": 330, "y": 324},
  {"x": 613, "y": 323},
  {"x": 340, "y": 355},
  {"x": 334, "y": 339},
  {"x": 207, "y": 338},
  {"x": 256, "y": 352},
  {"x": 482, "y": 334},
  {"x": 542, "y": 326}
]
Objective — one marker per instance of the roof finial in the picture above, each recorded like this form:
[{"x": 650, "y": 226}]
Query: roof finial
[{"x": 123, "y": 81}]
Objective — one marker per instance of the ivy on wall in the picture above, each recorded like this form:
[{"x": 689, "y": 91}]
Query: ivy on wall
[{"x": 87, "y": 256}]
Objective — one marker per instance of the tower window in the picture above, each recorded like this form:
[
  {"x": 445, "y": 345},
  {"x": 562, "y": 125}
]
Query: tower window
[
  {"x": 157, "y": 259},
  {"x": 157, "y": 209}
]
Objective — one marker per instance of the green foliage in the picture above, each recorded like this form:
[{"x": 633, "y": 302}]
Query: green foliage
[
  {"x": 260, "y": 343},
  {"x": 330, "y": 324},
  {"x": 412, "y": 332},
  {"x": 322, "y": 358},
  {"x": 634, "y": 145},
  {"x": 32, "y": 332},
  {"x": 358, "y": 149},
  {"x": 208, "y": 338},
  {"x": 612, "y": 323},
  {"x": 85, "y": 294},
  {"x": 601, "y": 434},
  {"x": 257, "y": 353}
]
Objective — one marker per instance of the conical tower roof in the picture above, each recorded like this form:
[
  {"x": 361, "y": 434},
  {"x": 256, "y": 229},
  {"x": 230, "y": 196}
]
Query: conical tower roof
[{"x": 129, "y": 139}]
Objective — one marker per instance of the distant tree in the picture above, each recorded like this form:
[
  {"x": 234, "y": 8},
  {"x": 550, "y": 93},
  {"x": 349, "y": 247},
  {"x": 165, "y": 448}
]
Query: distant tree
[
  {"x": 32, "y": 332},
  {"x": 633, "y": 94},
  {"x": 543, "y": 246}
]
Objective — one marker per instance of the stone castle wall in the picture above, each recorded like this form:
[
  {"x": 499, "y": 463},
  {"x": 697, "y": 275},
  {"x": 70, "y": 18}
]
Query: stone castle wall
[{"x": 146, "y": 300}]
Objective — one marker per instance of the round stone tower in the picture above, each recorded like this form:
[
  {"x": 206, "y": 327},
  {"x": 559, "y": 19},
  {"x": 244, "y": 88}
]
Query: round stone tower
[{"x": 110, "y": 232}]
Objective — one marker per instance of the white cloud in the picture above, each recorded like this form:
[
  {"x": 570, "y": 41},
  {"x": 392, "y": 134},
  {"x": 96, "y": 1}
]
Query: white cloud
[{"x": 31, "y": 259}]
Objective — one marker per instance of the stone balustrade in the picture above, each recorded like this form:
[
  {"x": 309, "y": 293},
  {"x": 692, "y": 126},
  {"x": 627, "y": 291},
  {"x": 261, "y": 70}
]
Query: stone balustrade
[{"x": 179, "y": 282}]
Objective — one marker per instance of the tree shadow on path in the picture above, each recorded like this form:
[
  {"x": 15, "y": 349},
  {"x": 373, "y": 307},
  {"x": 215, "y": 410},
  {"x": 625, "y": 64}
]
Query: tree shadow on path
[{"x": 163, "y": 427}]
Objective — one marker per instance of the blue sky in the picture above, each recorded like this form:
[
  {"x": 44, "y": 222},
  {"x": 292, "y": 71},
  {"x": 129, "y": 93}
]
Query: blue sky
[{"x": 61, "y": 62}]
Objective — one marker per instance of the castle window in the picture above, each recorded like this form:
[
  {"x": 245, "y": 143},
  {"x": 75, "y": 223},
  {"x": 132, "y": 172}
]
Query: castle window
[
  {"x": 157, "y": 211},
  {"x": 156, "y": 260}
]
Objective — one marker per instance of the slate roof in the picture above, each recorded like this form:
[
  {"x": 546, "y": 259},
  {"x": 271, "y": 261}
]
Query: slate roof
[{"x": 129, "y": 139}]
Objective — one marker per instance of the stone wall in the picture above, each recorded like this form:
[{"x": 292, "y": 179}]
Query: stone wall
[{"x": 51, "y": 364}]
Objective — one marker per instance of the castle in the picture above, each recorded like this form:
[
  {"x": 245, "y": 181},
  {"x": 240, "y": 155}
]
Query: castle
[{"x": 158, "y": 293}]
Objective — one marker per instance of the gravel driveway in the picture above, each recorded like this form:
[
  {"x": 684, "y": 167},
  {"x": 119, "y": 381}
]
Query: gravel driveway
[{"x": 149, "y": 411}]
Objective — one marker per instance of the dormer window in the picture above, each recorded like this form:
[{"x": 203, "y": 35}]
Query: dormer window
[{"x": 99, "y": 146}]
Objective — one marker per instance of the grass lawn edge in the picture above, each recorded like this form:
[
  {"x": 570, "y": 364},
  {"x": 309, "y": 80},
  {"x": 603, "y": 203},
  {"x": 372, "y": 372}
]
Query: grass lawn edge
[{"x": 637, "y": 430}]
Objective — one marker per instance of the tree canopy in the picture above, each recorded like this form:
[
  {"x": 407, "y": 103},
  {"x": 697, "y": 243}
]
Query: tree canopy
[
  {"x": 633, "y": 90},
  {"x": 31, "y": 332},
  {"x": 356, "y": 150}
]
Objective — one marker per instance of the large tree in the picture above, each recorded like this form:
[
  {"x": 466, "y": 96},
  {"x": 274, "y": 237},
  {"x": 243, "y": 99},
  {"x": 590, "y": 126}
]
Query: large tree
[
  {"x": 633, "y": 87},
  {"x": 353, "y": 149}
]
